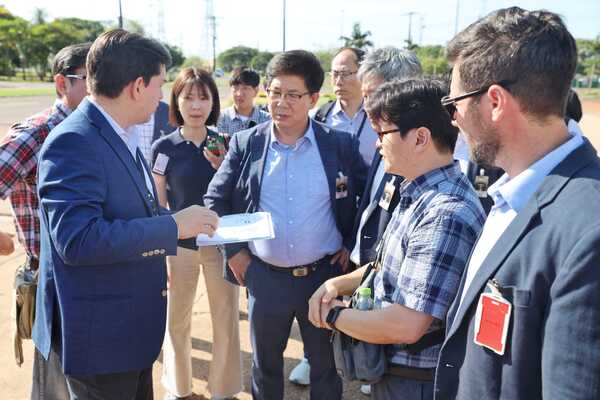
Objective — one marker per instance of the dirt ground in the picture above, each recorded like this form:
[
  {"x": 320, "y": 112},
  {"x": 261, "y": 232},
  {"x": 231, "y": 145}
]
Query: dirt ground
[{"x": 15, "y": 382}]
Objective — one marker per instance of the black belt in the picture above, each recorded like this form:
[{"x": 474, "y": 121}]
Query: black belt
[
  {"x": 299, "y": 271},
  {"x": 417, "y": 374}
]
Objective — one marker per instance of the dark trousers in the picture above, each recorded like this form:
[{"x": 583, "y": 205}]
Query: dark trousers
[
  {"x": 133, "y": 385},
  {"x": 276, "y": 298},
  {"x": 394, "y": 387}
]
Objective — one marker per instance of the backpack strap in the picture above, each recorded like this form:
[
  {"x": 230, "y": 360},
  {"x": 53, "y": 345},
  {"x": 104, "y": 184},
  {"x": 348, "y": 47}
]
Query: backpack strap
[{"x": 324, "y": 111}]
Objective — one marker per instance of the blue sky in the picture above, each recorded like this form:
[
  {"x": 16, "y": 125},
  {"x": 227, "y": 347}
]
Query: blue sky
[{"x": 311, "y": 24}]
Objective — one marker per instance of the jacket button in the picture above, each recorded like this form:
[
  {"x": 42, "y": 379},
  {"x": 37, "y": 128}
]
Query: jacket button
[
  {"x": 145, "y": 254},
  {"x": 448, "y": 365},
  {"x": 162, "y": 251},
  {"x": 163, "y": 293}
]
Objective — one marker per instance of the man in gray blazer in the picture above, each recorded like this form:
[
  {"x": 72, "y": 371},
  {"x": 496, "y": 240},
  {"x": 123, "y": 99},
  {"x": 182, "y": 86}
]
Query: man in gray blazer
[{"x": 526, "y": 321}]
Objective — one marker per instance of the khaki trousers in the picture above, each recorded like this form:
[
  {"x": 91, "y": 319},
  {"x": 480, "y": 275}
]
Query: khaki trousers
[{"x": 225, "y": 377}]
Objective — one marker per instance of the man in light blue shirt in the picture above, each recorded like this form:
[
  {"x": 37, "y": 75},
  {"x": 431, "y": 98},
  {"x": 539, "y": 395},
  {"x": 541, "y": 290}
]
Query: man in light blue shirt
[
  {"x": 307, "y": 176},
  {"x": 525, "y": 324}
]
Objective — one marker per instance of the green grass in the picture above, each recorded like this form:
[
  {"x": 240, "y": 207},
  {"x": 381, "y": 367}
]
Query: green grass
[
  {"x": 23, "y": 92},
  {"x": 589, "y": 94}
]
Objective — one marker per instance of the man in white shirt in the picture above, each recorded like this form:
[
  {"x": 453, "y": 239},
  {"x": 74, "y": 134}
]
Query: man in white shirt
[{"x": 525, "y": 324}]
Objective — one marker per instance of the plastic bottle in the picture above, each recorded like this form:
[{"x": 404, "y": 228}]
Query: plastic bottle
[{"x": 364, "y": 302}]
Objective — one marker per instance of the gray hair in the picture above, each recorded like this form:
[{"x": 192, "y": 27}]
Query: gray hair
[{"x": 390, "y": 63}]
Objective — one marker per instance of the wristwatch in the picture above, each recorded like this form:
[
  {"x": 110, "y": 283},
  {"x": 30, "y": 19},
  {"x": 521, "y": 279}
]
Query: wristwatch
[{"x": 333, "y": 315}]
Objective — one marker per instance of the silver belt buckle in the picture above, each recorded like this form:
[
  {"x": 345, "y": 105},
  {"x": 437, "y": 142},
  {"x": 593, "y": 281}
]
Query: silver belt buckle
[{"x": 300, "y": 272}]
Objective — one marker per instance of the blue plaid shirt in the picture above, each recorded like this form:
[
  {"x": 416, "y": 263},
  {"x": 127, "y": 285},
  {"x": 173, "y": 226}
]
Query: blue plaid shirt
[
  {"x": 426, "y": 247},
  {"x": 230, "y": 122}
]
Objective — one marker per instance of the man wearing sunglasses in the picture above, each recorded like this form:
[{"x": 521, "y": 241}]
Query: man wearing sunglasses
[
  {"x": 425, "y": 246},
  {"x": 525, "y": 323},
  {"x": 308, "y": 177},
  {"x": 18, "y": 168}
]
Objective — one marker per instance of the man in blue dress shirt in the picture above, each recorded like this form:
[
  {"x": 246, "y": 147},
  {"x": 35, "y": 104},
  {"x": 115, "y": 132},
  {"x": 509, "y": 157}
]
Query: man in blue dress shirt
[{"x": 307, "y": 176}]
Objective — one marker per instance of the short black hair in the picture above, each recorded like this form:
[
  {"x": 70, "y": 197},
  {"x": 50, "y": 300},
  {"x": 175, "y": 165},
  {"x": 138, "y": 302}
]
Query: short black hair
[
  {"x": 299, "y": 63},
  {"x": 244, "y": 76},
  {"x": 201, "y": 79},
  {"x": 415, "y": 103},
  {"x": 70, "y": 58},
  {"x": 118, "y": 57},
  {"x": 531, "y": 49},
  {"x": 358, "y": 53},
  {"x": 574, "y": 110}
]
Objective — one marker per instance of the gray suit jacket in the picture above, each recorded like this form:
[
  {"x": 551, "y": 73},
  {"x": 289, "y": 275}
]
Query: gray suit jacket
[{"x": 548, "y": 263}]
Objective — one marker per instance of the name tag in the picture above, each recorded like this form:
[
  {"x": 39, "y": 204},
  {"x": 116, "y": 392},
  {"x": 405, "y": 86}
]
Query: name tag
[
  {"x": 491, "y": 320},
  {"x": 160, "y": 165},
  {"x": 341, "y": 186}
]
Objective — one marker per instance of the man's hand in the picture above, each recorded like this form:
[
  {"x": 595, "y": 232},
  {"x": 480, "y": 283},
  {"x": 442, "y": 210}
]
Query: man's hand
[
  {"x": 239, "y": 265},
  {"x": 215, "y": 161},
  {"x": 194, "y": 220},
  {"x": 341, "y": 257},
  {"x": 7, "y": 245},
  {"x": 325, "y": 308},
  {"x": 320, "y": 301}
]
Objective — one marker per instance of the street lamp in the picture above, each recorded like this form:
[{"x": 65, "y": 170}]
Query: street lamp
[{"x": 120, "y": 16}]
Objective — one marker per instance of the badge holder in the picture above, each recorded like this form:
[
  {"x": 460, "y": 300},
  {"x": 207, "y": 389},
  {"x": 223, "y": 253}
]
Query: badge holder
[
  {"x": 341, "y": 186},
  {"x": 492, "y": 319}
]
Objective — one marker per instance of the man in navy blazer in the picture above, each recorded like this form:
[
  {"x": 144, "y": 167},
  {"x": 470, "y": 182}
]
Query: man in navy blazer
[
  {"x": 101, "y": 300},
  {"x": 308, "y": 177},
  {"x": 526, "y": 322}
]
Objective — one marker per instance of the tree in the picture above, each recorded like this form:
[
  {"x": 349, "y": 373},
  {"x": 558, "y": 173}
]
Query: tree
[
  {"x": 325, "y": 57},
  {"x": 358, "y": 38},
  {"x": 589, "y": 58},
  {"x": 177, "y": 57},
  {"x": 12, "y": 33},
  {"x": 5, "y": 14},
  {"x": 89, "y": 30},
  {"x": 433, "y": 59},
  {"x": 195, "y": 61},
  {"x": 236, "y": 57},
  {"x": 39, "y": 16},
  {"x": 260, "y": 61}
]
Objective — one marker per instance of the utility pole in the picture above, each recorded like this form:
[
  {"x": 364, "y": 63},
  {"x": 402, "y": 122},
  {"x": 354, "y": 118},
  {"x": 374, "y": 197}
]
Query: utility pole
[
  {"x": 456, "y": 17},
  {"x": 421, "y": 29},
  {"x": 214, "y": 42},
  {"x": 120, "y": 16},
  {"x": 409, "y": 15},
  {"x": 283, "y": 25}
]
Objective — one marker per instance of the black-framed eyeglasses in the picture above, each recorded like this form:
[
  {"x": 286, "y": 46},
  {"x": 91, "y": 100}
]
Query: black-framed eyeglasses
[
  {"x": 78, "y": 77},
  {"x": 291, "y": 96},
  {"x": 381, "y": 134},
  {"x": 342, "y": 74},
  {"x": 449, "y": 103}
]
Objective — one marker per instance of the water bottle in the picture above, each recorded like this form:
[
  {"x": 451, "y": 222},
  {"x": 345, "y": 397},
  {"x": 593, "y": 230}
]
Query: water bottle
[{"x": 364, "y": 302}]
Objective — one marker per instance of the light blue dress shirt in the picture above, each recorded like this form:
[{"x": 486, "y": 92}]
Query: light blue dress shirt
[
  {"x": 295, "y": 191},
  {"x": 510, "y": 196},
  {"x": 358, "y": 126}
]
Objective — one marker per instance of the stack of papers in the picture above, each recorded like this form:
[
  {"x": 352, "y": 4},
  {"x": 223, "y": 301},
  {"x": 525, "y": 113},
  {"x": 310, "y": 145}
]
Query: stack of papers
[{"x": 237, "y": 228}]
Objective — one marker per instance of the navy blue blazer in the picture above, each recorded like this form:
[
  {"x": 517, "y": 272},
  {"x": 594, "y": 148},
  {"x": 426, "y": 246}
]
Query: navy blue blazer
[
  {"x": 235, "y": 188},
  {"x": 548, "y": 265},
  {"x": 102, "y": 276},
  {"x": 375, "y": 225}
]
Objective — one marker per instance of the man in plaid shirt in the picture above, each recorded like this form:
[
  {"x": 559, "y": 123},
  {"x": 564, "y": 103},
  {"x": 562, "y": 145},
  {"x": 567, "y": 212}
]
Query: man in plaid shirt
[
  {"x": 18, "y": 168},
  {"x": 425, "y": 246}
]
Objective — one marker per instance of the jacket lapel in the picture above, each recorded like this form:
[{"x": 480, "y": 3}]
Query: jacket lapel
[
  {"x": 259, "y": 145},
  {"x": 119, "y": 147},
  {"x": 546, "y": 193},
  {"x": 326, "y": 142}
]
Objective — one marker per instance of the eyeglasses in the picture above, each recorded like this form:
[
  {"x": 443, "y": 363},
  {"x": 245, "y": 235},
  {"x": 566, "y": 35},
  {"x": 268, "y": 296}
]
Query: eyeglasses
[
  {"x": 78, "y": 77},
  {"x": 449, "y": 103},
  {"x": 342, "y": 74},
  {"x": 381, "y": 134},
  {"x": 292, "y": 97}
]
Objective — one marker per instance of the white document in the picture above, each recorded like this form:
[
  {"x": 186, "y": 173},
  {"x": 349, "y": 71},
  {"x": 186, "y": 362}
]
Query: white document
[{"x": 240, "y": 228}]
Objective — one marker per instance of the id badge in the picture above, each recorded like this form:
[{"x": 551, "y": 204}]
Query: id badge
[
  {"x": 491, "y": 321},
  {"x": 388, "y": 194},
  {"x": 341, "y": 186},
  {"x": 160, "y": 165}
]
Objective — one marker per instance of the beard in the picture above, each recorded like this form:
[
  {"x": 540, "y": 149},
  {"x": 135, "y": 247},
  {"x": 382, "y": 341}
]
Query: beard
[{"x": 484, "y": 141}]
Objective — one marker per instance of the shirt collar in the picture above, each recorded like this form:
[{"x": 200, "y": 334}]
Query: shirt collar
[
  {"x": 62, "y": 107},
  {"x": 337, "y": 109},
  {"x": 414, "y": 188},
  {"x": 233, "y": 114},
  {"x": 129, "y": 136},
  {"x": 517, "y": 191},
  {"x": 308, "y": 137}
]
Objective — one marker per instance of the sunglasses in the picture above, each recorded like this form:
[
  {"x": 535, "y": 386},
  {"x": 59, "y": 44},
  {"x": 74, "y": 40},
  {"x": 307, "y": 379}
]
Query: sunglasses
[
  {"x": 381, "y": 134},
  {"x": 449, "y": 103}
]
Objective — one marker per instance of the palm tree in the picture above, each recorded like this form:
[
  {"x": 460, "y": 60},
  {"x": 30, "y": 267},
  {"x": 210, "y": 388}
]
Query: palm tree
[{"x": 358, "y": 38}]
